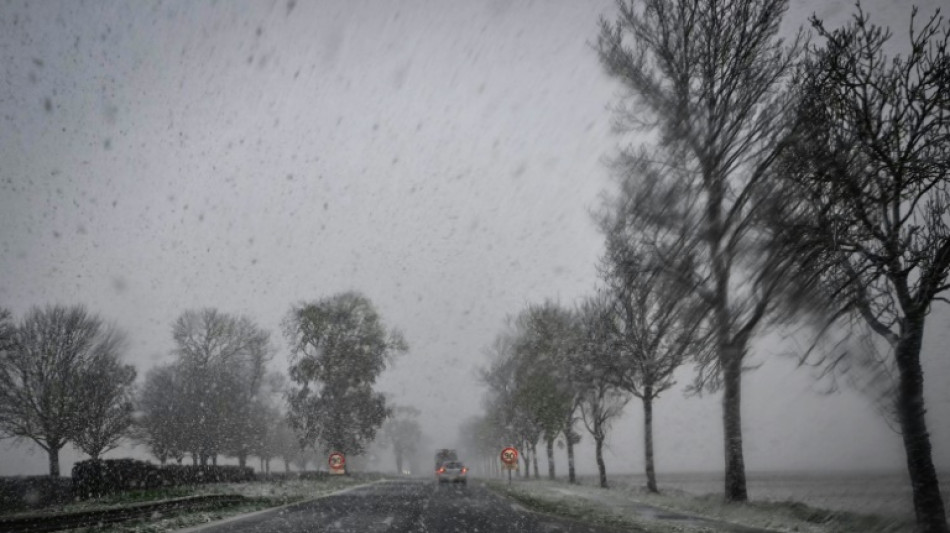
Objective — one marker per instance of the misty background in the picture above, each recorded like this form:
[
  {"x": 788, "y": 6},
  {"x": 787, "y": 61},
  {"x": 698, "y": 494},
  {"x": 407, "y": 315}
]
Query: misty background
[{"x": 441, "y": 157}]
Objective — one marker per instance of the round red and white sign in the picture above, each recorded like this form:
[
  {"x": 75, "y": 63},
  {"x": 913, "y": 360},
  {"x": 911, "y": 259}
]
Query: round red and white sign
[
  {"x": 337, "y": 461},
  {"x": 509, "y": 456}
]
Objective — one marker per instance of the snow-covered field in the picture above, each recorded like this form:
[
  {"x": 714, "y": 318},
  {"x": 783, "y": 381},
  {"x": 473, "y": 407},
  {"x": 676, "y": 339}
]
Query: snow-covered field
[
  {"x": 887, "y": 494},
  {"x": 676, "y": 511}
]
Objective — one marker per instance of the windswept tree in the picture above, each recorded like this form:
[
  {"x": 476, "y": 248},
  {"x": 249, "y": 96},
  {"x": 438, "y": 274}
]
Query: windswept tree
[
  {"x": 542, "y": 348},
  {"x": 267, "y": 414},
  {"x": 709, "y": 79},
  {"x": 339, "y": 345},
  {"x": 650, "y": 311},
  {"x": 108, "y": 403},
  {"x": 221, "y": 359},
  {"x": 160, "y": 414},
  {"x": 7, "y": 330},
  {"x": 871, "y": 173},
  {"x": 480, "y": 438},
  {"x": 401, "y": 432},
  {"x": 43, "y": 367},
  {"x": 510, "y": 418},
  {"x": 601, "y": 399}
]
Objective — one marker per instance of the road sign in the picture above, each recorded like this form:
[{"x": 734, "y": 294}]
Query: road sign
[
  {"x": 337, "y": 463},
  {"x": 509, "y": 456}
]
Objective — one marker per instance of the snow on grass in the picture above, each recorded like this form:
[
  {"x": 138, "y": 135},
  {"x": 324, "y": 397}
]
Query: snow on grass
[
  {"x": 635, "y": 507},
  {"x": 261, "y": 494},
  {"x": 287, "y": 491}
]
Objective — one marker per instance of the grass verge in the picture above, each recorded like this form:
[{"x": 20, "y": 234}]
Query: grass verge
[
  {"x": 260, "y": 496},
  {"x": 624, "y": 507}
]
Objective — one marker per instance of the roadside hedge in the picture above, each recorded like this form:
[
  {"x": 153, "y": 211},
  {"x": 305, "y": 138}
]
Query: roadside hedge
[
  {"x": 95, "y": 478},
  {"x": 31, "y": 492}
]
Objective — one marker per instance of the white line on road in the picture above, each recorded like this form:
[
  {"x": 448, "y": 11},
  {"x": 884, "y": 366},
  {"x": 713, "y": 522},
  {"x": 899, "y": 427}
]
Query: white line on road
[{"x": 278, "y": 509}]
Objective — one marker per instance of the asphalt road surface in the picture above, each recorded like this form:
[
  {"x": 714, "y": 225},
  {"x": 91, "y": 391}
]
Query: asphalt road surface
[{"x": 406, "y": 506}]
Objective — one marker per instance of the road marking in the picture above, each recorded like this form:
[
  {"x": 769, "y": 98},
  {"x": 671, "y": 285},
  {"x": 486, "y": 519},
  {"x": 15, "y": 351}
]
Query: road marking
[
  {"x": 389, "y": 521},
  {"x": 279, "y": 510}
]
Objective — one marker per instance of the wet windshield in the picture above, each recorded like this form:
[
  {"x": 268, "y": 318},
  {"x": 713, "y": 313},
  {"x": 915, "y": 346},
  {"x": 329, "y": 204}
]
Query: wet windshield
[{"x": 637, "y": 264}]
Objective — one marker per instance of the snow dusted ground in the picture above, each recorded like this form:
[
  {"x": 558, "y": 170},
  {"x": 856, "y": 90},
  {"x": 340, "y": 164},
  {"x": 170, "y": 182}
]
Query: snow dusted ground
[
  {"x": 282, "y": 491},
  {"x": 264, "y": 495},
  {"x": 628, "y": 504},
  {"x": 886, "y": 494}
]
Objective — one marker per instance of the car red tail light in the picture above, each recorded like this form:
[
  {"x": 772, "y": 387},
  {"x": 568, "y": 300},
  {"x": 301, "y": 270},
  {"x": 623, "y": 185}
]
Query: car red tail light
[
  {"x": 464, "y": 469},
  {"x": 440, "y": 471}
]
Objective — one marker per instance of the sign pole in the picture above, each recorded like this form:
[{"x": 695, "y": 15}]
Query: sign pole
[{"x": 509, "y": 477}]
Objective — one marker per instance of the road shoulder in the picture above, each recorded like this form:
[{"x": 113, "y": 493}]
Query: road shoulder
[
  {"x": 613, "y": 508},
  {"x": 275, "y": 510}
]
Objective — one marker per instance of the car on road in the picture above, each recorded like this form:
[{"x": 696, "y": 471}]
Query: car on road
[{"x": 452, "y": 471}]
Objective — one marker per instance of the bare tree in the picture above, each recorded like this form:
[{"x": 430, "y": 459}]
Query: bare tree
[
  {"x": 600, "y": 406},
  {"x": 872, "y": 178},
  {"x": 509, "y": 417},
  {"x": 709, "y": 78},
  {"x": 601, "y": 399},
  {"x": 222, "y": 362},
  {"x": 542, "y": 372},
  {"x": 7, "y": 330},
  {"x": 42, "y": 370},
  {"x": 106, "y": 389},
  {"x": 160, "y": 420},
  {"x": 651, "y": 313},
  {"x": 402, "y": 432}
]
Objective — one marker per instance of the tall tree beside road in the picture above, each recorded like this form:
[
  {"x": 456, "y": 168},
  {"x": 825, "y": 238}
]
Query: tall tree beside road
[
  {"x": 509, "y": 417},
  {"x": 709, "y": 78},
  {"x": 108, "y": 404},
  {"x": 601, "y": 400},
  {"x": 542, "y": 372},
  {"x": 160, "y": 420},
  {"x": 339, "y": 345},
  {"x": 872, "y": 178},
  {"x": 51, "y": 357},
  {"x": 651, "y": 313},
  {"x": 402, "y": 432},
  {"x": 221, "y": 360}
]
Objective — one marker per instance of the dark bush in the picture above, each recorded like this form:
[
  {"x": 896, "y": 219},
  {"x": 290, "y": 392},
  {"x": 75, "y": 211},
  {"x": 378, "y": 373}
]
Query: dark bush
[
  {"x": 313, "y": 475},
  {"x": 30, "y": 492},
  {"x": 196, "y": 474},
  {"x": 95, "y": 478},
  {"x": 92, "y": 478}
]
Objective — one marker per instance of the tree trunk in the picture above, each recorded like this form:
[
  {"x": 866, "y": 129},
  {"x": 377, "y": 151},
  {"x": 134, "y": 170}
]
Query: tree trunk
[
  {"x": 601, "y": 467},
  {"x": 928, "y": 504},
  {"x": 194, "y": 458},
  {"x": 571, "y": 476},
  {"x": 267, "y": 466},
  {"x": 214, "y": 459},
  {"x": 53, "y": 453},
  {"x": 735, "y": 489},
  {"x": 549, "y": 444},
  {"x": 286, "y": 465},
  {"x": 242, "y": 460},
  {"x": 398, "y": 463},
  {"x": 526, "y": 457},
  {"x": 648, "y": 438},
  {"x": 534, "y": 459}
]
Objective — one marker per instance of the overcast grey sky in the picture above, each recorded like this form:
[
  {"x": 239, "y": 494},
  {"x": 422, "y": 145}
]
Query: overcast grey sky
[{"x": 440, "y": 156}]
